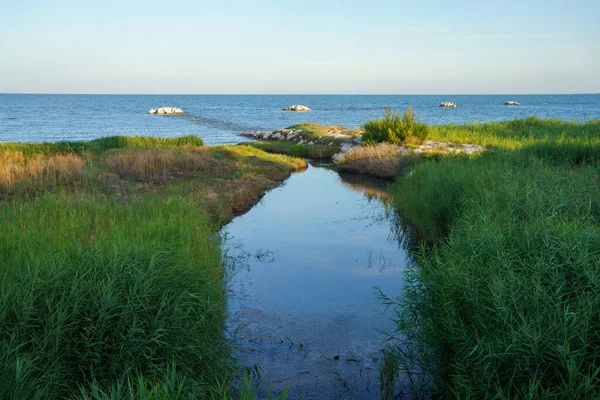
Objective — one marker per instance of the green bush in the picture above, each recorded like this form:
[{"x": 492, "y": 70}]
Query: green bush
[{"x": 394, "y": 129}]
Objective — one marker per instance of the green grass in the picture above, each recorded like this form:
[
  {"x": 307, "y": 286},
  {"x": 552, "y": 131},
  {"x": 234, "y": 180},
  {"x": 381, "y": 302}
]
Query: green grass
[
  {"x": 94, "y": 289},
  {"x": 315, "y": 130},
  {"x": 111, "y": 274},
  {"x": 504, "y": 300},
  {"x": 101, "y": 145},
  {"x": 316, "y": 151},
  {"x": 519, "y": 133},
  {"x": 394, "y": 128}
]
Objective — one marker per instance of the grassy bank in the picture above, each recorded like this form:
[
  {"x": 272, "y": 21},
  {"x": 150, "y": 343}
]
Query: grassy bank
[
  {"x": 314, "y": 151},
  {"x": 112, "y": 280},
  {"x": 504, "y": 301}
]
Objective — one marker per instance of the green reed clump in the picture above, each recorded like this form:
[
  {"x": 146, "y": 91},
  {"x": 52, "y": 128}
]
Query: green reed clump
[
  {"x": 95, "y": 292},
  {"x": 505, "y": 303},
  {"x": 394, "y": 128},
  {"x": 101, "y": 145}
]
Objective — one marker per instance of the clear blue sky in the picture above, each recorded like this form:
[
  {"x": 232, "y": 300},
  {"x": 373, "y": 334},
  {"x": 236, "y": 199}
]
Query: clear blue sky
[{"x": 301, "y": 46}]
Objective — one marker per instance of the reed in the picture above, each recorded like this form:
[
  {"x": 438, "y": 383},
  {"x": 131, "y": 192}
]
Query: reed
[{"x": 503, "y": 301}]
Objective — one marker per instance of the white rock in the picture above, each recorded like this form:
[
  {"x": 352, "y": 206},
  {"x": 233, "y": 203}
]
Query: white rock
[
  {"x": 448, "y": 104},
  {"x": 297, "y": 107},
  {"x": 153, "y": 111},
  {"x": 167, "y": 111}
]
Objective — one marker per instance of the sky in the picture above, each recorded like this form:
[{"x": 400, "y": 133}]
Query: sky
[{"x": 300, "y": 47}]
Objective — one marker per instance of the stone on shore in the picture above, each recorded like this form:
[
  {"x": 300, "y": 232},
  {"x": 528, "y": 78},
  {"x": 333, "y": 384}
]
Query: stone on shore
[
  {"x": 448, "y": 104},
  {"x": 299, "y": 108},
  {"x": 166, "y": 111}
]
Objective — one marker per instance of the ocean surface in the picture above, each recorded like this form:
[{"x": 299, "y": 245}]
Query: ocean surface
[{"x": 219, "y": 119}]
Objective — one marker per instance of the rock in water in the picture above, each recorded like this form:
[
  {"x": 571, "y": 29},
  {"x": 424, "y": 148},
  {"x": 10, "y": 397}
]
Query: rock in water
[
  {"x": 298, "y": 107},
  {"x": 512, "y": 103},
  {"x": 166, "y": 111},
  {"x": 448, "y": 104}
]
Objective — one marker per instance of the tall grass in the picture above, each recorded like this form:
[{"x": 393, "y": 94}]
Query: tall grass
[
  {"x": 101, "y": 145},
  {"x": 111, "y": 276},
  {"x": 139, "y": 164},
  {"x": 518, "y": 133},
  {"x": 30, "y": 173},
  {"x": 383, "y": 160},
  {"x": 505, "y": 302},
  {"x": 93, "y": 290},
  {"x": 394, "y": 128}
]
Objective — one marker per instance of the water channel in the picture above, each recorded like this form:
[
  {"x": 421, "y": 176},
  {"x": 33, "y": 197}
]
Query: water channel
[{"x": 302, "y": 304}]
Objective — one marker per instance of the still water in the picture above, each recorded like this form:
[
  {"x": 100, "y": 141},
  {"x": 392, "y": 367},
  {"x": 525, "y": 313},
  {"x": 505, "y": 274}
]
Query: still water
[{"x": 303, "y": 304}]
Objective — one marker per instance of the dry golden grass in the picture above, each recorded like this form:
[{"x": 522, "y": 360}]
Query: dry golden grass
[
  {"x": 381, "y": 160},
  {"x": 143, "y": 164},
  {"x": 37, "y": 170}
]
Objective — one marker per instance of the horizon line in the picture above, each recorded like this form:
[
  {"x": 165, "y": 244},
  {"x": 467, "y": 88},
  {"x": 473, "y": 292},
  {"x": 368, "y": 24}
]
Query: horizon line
[{"x": 297, "y": 94}]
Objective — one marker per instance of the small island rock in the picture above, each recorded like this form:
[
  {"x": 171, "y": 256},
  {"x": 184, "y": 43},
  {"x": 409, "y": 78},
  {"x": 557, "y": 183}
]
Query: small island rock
[
  {"x": 448, "y": 104},
  {"x": 299, "y": 108},
  {"x": 166, "y": 111},
  {"x": 512, "y": 103}
]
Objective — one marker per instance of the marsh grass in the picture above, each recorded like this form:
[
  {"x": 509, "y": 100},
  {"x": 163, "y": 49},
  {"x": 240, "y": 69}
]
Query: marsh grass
[
  {"x": 394, "y": 128},
  {"x": 515, "y": 134},
  {"x": 314, "y": 151},
  {"x": 99, "y": 290},
  {"x": 111, "y": 274},
  {"x": 383, "y": 160},
  {"x": 141, "y": 163},
  {"x": 504, "y": 301},
  {"x": 315, "y": 131},
  {"x": 31, "y": 173},
  {"x": 101, "y": 145}
]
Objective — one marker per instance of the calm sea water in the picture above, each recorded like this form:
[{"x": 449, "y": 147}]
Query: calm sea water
[{"x": 219, "y": 119}]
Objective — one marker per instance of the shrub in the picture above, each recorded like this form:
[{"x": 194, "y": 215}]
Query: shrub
[{"x": 394, "y": 129}]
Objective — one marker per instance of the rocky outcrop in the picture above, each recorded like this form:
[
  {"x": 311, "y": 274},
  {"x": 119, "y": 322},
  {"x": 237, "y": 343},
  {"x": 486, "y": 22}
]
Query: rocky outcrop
[
  {"x": 298, "y": 136},
  {"x": 448, "y": 104},
  {"x": 299, "y": 108},
  {"x": 512, "y": 103},
  {"x": 166, "y": 111}
]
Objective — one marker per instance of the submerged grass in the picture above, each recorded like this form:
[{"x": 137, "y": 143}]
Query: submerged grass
[
  {"x": 504, "y": 302},
  {"x": 112, "y": 280}
]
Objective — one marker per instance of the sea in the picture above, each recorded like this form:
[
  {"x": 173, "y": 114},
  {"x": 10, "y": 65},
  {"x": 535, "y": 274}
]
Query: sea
[{"x": 220, "y": 119}]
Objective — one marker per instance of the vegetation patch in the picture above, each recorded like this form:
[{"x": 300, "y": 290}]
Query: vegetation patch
[
  {"x": 314, "y": 131},
  {"x": 315, "y": 151},
  {"x": 112, "y": 281},
  {"x": 383, "y": 160},
  {"x": 503, "y": 300},
  {"x": 394, "y": 128}
]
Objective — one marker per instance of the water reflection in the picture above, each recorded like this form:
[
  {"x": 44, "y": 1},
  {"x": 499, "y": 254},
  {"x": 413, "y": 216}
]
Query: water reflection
[{"x": 303, "y": 307}]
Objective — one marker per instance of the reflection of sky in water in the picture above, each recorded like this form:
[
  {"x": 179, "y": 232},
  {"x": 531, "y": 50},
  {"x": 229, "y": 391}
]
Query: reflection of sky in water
[{"x": 329, "y": 246}]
